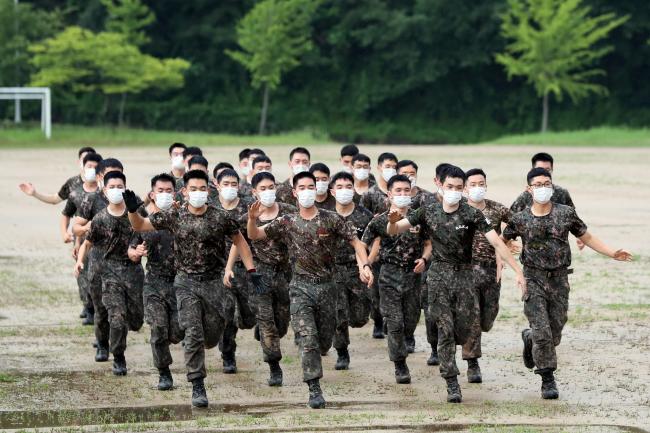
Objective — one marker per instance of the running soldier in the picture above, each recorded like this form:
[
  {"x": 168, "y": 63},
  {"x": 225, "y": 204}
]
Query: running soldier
[
  {"x": 348, "y": 152},
  {"x": 299, "y": 161},
  {"x": 313, "y": 236},
  {"x": 362, "y": 175},
  {"x": 324, "y": 200},
  {"x": 544, "y": 229},
  {"x": 245, "y": 188},
  {"x": 177, "y": 162}
]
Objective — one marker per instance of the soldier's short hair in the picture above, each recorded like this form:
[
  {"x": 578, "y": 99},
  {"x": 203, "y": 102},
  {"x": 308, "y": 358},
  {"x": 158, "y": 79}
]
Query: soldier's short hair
[
  {"x": 114, "y": 175},
  {"x": 533, "y": 173},
  {"x": 397, "y": 178},
  {"x": 360, "y": 157},
  {"x": 177, "y": 145},
  {"x": 95, "y": 157},
  {"x": 85, "y": 149},
  {"x": 196, "y": 174},
  {"x": 541, "y": 156},
  {"x": 261, "y": 158},
  {"x": 406, "y": 163},
  {"x": 244, "y": 153},
  {"x": 162, "y": 177},
  {"x": 221, "y": 165},
  {"x": 192, "y": 151},
  {"x": 474, "y": 172},
  {"x": 319, "y": 166},
  {"x": 228, "y": 172},
  {"x": 299, "y": 150},
  {"x": 453, "y": 172},
  {"x": 349, "y": 150},
  {"x": 109, "y": 163},
  {"x": 440, "y": 169},
  {"x": 341, "y": 175},
  {"x": 260, "y": 177},
  {"x": 387, "y": 156},
  {"x": 199, "y": 160},
  {"x": 303, "y": 175}
]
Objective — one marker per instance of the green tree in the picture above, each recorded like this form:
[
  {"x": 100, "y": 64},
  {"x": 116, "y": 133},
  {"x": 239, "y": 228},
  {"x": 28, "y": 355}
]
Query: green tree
[
  {"x": 105, "y": 62},
  {"x": 555, "y": 44},
  {"x": 273, "y": 36}
]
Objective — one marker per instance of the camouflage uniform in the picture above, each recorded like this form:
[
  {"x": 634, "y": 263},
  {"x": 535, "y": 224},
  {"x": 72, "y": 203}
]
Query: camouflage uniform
[
  {"x": 398, "y": 284},
  {"x": 284, "y": 193},
  {"x": 313, "y": 244},
  {"x": 72, "y": 184},
  {"x": 121, "y": 278},
  {"x": 525, "y": 200},
  {"x": 451, "y": 295},
  {"x": 178, "y": 181},
  {"x": 199, "y": 253},
  {"x": 213, "y": 193},
  {"x": 546, "y": 256},
  {"x": 160, "y": 307},
  {"x": 329, "y": 203},
  {"x": 241, "y": 292},
  {"x": 246, "y": 192},
  {"x": 353, "y": 304},
  {"x": 485, "y": 272},
  {"x": 272, "y": 307}
]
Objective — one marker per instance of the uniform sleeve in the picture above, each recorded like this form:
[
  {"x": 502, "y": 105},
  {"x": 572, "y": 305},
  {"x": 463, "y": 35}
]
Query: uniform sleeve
[
  {"x": 519, "y": 204},
  {"x": 230, "y": 226},
  {"x": 345, "y": 229},
  {"x": 277, "y": 228},
  {"x": 136, "y": 239},
  {"x": 511, "y": 232},
  {"x": 365, "y": 201},
  {"x": 576, "y": 226},
  {"x": 505, "y": 214},
  {"x": 64, "y": 192},
  {"x": 94, "y": 234},
  {"x": 86, "y": 207},
  {"x": 481, "y": 223},
  {"x": 417, "y": 217},
  {"x": 370, "y": 233},
  {"x": 70, "y": 209},
  {"x": 165, "y": 219},
  {"x": 568, "y": 201}
]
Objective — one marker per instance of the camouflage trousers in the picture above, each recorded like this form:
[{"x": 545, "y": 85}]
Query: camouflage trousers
[
  {"x": 352, "y": 304},
  {"x": 83, "y": 284},
  {"x": 95, "y": 265},
  {"x": 429, "y": 322},
  {"x": 546, "y": 306},
  {"x": 122, "y": 296},
  {"x": 400, "y": 306},
  {"x": 313, "y": 316},
  {"x": 244, "y": 313},
  {"x": 453, "y": 305},
  {"x": 204, "y": 311},
  {"x": 375, "y": 308},
  {"x": 488, "y": 291},
  {"x": 272, "y": 310},
  {"x": 161, "y": 313}
]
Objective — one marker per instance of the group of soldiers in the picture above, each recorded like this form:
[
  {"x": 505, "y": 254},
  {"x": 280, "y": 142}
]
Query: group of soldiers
[{"x": 321, "y": 251}]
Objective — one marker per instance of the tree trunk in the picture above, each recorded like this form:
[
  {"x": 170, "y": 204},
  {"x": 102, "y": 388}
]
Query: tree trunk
[
  {"x": 120, "y": 117},
  {"x": 265, "y": 107},
  {"x": 104, "y": 112},
  {"x": 545, "y": 113}
]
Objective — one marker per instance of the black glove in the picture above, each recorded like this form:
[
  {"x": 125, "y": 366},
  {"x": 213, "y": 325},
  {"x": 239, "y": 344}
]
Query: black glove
[
  {"x": 260, "y": 287},
  {"x": 131, "y": 201}
]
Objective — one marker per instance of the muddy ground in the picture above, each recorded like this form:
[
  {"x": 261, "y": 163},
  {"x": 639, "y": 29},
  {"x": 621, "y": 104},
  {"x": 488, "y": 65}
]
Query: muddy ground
[{"x": 48, "y": 376}]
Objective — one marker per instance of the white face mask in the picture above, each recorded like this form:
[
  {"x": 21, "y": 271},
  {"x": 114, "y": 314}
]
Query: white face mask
[
  {"x": 164, "y": 200},
  {"x": 452, "y": 197},
  {"x": 263, "y": 170},
  {"x": 267, "y": 197},
  {"x": 114, "y": 195},
  {"x": 387, "y": 173},
  {"x": 344, "y": 196},
  {"x": 307, "y": 197},
  {"x": 542, "y": 195},
  {"x": 414, "y": 181},
  {"x": 361, "y": 173},
  {"x": 246, "y": 170},
  {"x": 197, "y": 198},
  {"x": 402, "y": 201},
  {"x": 477, "y": 194},
  {"x": 90, "y": 174},
  {"x": 347, "y": 169},
  {"x": 228, "y": 193},
  {"x": 321, "y": 187},
  {"x": 299, "y": 169},
  {"x": 178, "y": 163}
]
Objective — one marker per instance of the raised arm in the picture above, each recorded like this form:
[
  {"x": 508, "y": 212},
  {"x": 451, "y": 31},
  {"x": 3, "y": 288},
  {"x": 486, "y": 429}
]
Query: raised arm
[
  {"x": 138, "y": 222},
  {"x": 600, "y": 247},
  {"x": 254, "y": 233},
  {"x": 397, "y": 224},
  {"x": 503, "y": 251},
  {"x": 29, "y": 189}
]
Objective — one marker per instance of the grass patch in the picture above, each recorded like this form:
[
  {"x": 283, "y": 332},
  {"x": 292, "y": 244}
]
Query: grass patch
[
  {"x": 78, "y": 136},
  {"x": 598, "y": 137},
  {"x": 7, "y": 378}
]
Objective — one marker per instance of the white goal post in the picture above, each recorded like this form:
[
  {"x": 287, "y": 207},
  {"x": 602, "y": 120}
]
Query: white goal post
[{"x": 38, "y": 93}]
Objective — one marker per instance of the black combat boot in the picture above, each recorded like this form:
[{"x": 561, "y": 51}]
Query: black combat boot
[
  {"x": 433, "y": 359},
  {"x": 410, "y": 344},
  {"x": 165, "y": 380},
  {"x": 316, "y": 399},
  {"x": 229, "y": 363},
  {"x": 119, "y": 365},
  {"x": 102, "y": 353},
  {"x": 402, "y": 374},
  {"x": 473, "y": 371},
  {"x": 89, "y": 319},
  {"x": 453, "y": 390},
  {"x": 199, "y": 397},
  {"x": 256, "y": 333},
  {"x": 529, "y": 362},
  {"x": 549, "y": 388},
  {"x": 378, "y": 329},
  {"x": 275, "y": 378},
  {"x": 343, "y": 360}
]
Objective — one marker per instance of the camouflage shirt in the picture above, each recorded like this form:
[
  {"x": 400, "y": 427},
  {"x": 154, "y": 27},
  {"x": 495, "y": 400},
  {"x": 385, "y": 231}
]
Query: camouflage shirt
[
  {"x": 246, "y": 192},
  {"x": 423, "y": 198},
  {"x": 113, "y": 234},
  {"x": 451, "y": 234},
  {"x": 70, "y": 185},
  {"x": 329, "y": 203},
  {"x": 359, "y": 219},
  {"x": 199, "y": 240},
  {"x": 401, "y": 250},
  {"x": 234, "y": 213},
  {"x": 525, "y": 200},
  {"x": 213, "y": 193},
  {"x": 73, "y": 204},
  {"x": 495, "y": 213},
  {"x": 92, "y": 204},
  {"x": 273, "y": 252},
  {"x": 312, "y": 243},
  {"x": 375, "y": 200},
  {"x": 545, "y": 239},
  {"x": 160, "y": 251},
  {"x": 284, "y": 193}
]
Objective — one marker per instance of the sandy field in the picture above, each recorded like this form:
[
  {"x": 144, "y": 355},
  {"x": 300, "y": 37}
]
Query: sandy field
[{"x": 49, "y": 380}]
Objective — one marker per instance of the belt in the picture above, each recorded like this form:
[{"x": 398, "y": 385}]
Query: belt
[
  {"x": 484, "y": 263},
  {"x": 454, "y": 266},
  {"x": 313, "y": 280},
  {"x": 546, "y": 273},
  {"x": 168, "y": 278},
  {"x": 199, "y": 277}
]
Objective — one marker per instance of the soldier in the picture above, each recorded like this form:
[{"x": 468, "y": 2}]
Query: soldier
[
  {"x": 348, "y": 152},
  {"x": 354, "y": 299},
  {"x": 324, "y": 200},
  {"x": 313, "y": 236},
  {"x": 403, "y": 258},
  {"x": 376, "y": 201},
  {"x": 451, "y": 296},
  {"x": 177, "y": 161},
  {"x": 160, "y": 308},
  {"x": 487, "y": 269},
  {"x": 221, "y": 166},
  {"x": 245, "y": 182},
  {"x": 299, "y": 161},
  {"x": 244, "y": 313},
  {"x": 71, "y": 209},
  {"x": 244, "y": 163},
  {"x": 121, "y": 272},
  {"x": 560, "y": 195},
  {"x": 199, "y": 162},
  {"x": 188, "y": 154},
  {"x": 361, "y": 173},
  {"x": 544, "y": 229},
  {"x": 272, "y": 262},
  {"x": 199, "y": 234}
]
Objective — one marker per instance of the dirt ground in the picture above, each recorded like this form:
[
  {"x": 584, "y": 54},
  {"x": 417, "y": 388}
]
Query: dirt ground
[{"x": 48, "y": 376}]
